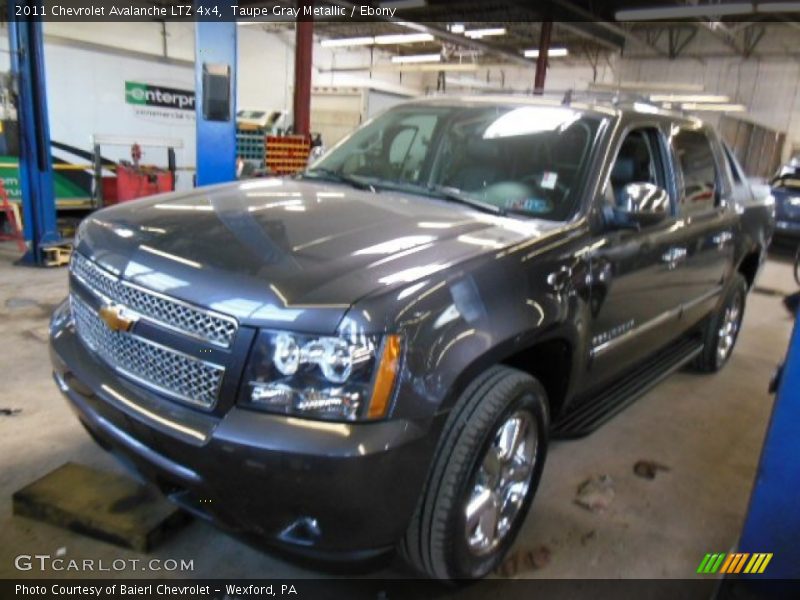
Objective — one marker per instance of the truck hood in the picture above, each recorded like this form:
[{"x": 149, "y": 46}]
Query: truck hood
[{"x": 290, "y": 254}]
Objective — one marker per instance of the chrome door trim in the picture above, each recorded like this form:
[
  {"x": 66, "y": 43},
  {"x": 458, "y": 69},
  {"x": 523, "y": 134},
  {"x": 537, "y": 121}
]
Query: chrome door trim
[
  {"x": 673, "y": 313},
  {"x": 702, "y": 298}
]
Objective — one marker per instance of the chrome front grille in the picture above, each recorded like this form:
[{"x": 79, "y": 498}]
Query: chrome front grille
[
  {"x": 167, "y": 371},
  {"x": 204, "y": 325}
]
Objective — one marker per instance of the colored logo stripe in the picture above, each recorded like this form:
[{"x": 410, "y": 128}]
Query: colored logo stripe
[
  {"x": 711, "y": 563},
  {"x": 734, "y": 563}
]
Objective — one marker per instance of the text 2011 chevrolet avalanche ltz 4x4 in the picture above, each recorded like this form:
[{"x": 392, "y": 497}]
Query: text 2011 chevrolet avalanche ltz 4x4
[{"x": 373, "y": 354}]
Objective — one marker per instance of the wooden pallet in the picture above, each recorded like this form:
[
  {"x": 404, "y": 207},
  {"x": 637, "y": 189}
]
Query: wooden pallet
[
  {"x": 105, "y": 506},
  {"x": 57, "y": 255}
]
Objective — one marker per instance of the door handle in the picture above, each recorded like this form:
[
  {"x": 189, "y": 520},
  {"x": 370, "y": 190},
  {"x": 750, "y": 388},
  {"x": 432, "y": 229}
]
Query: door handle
[
  {"x": 673, "y": 256},
  {"x": 722, "y": 238}
]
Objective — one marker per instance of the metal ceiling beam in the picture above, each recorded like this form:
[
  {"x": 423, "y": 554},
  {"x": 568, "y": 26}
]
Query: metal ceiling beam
[
  {"x": 751, "y": 36},
  {"x": 445, "y": 35},
  {"x": 719, "y": 31},
  {"x": 580, "y": 29},
  {"x": 679, "y": 37},
  {"x": 582, "y": 13},
  {"x": 789, "y": 22}
]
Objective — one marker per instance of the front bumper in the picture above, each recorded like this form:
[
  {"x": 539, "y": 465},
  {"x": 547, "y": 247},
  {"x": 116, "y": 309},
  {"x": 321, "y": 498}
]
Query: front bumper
[{"x": 334, "y": 491}]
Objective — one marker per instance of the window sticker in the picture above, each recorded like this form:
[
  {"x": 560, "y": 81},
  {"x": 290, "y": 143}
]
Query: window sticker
[{"x": 549, "y": 179}]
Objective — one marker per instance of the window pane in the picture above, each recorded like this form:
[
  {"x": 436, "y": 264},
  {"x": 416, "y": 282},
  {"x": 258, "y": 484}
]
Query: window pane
[{"x": 699, "y": 171}]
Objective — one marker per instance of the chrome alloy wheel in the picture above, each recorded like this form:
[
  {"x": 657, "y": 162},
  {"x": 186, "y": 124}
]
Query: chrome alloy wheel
[
  {"x": 501, "y": 483},
  {"x": 726, "y": 337}
]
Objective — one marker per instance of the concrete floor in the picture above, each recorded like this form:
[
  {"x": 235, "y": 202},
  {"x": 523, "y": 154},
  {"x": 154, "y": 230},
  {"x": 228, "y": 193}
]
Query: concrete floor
[{"x": 707, "y": 429}]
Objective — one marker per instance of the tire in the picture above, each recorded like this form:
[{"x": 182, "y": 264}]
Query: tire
[
  {"x": 727, "y": 321},
  {"x": 436, "y": 543}
]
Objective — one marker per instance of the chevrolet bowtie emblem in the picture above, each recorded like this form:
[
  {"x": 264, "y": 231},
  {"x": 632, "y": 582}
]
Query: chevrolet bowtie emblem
[{"x": 115, "y": 317}]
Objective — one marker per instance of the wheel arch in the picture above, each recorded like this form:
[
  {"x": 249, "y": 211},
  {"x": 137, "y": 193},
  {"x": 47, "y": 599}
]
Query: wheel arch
[
  {"x": 550, "y": 358},
  {"x": 748, "y": 266}
]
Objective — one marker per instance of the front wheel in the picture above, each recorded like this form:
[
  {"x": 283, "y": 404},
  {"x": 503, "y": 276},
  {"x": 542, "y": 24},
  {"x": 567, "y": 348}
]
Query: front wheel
[
  {"x": 723, "y": 328},
  {"x": 485, "y": 472}
]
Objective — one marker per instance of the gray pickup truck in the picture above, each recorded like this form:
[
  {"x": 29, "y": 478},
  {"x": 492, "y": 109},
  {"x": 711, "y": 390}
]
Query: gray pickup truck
[{"x": 374, "y": 353}]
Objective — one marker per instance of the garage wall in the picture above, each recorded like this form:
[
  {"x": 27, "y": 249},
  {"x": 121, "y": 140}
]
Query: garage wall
[
  {"x": 266, "y": 58},
  {"x": 87, "y": 65},
  {"x": 562, "y": 75},
  {"x": 767, "y": 83}
]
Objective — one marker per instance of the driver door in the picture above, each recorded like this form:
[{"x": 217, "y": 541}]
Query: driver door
[{"x": 634, "y": 300}]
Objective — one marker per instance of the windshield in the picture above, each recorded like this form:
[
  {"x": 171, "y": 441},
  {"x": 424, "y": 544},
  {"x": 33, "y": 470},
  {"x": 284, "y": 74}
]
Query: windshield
[{"x": 526, "y": 160}]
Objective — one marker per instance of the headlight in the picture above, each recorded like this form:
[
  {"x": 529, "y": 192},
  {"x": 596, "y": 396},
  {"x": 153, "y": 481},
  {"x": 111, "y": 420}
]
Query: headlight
[{"x": 343, "y": 378}]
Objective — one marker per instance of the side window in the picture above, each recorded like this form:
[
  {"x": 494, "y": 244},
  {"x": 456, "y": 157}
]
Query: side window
[
  {"x": 696, "y": 161},
  {"x": 638, "y": 161}
]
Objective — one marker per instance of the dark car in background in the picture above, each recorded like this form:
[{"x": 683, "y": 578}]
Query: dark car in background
[
  {"x": 374, "y": 354},
  {"x": 786, "y": 191}
]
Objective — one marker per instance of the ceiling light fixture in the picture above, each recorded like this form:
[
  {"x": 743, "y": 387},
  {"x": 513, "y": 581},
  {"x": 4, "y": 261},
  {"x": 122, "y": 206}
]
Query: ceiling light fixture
[
  {"x": 689, "y": 98},
  {"x": 713, "y": 107},
  {"x": 552, "y": 53},
  {"x": 403, "y": 4},
  {"x": 778, "y": 7},
  {"x": 660, "y": 13},
  {"x": 417, "y": 58},
  {"x": 477, "y": 34},
  {"x": 403, "y": 38},
  {"x": 341, "y": 42}
]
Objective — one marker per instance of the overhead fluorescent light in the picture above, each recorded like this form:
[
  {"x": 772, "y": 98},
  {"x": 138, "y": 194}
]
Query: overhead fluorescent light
[
  {"x": 403, "y": 4},
  {"x": 479, "y": 33},
  {"x": 457, "y": 28},
  {"x": 659, "y": 13},
  {"x": 689, "y": 98},
  {"x": 777, "y": 7},
  {"x": 417, "y": 58},
  {"x": 640, "y": 86},
  {"x": 427, "y": 67},
  {"x": 353, "y": 41},
  {"x": 552, "y": 52},
  {"x": 699, "y": 106},
  {"x": 470, "y": 82},
  {"x": 403, "y": 38}
]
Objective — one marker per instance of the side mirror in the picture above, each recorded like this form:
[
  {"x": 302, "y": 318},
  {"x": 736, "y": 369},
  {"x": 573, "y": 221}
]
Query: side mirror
[{"x": 640, "y": 205}]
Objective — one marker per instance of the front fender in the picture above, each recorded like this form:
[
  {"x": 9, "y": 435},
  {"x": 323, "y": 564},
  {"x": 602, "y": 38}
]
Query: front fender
[{"x": 477, "y": 315}]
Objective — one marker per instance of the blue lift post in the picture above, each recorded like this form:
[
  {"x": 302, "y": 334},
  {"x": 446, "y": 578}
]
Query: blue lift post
[
  {"x": 215, "y": 50},
  {"x": 35, "y": 163},
  {"x": 772, "y": 524}
]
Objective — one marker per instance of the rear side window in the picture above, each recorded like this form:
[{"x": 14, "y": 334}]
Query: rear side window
[{"x": 699, "y": 170}]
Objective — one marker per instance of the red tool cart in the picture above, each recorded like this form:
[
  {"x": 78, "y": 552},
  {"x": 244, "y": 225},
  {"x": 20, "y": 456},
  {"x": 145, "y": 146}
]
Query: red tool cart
[{"x": 131, "y": 179}]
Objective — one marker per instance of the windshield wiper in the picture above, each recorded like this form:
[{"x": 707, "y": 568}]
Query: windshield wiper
[
  {"x": 332, "y": 175},
  {"x": 456, "y": 195}
]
